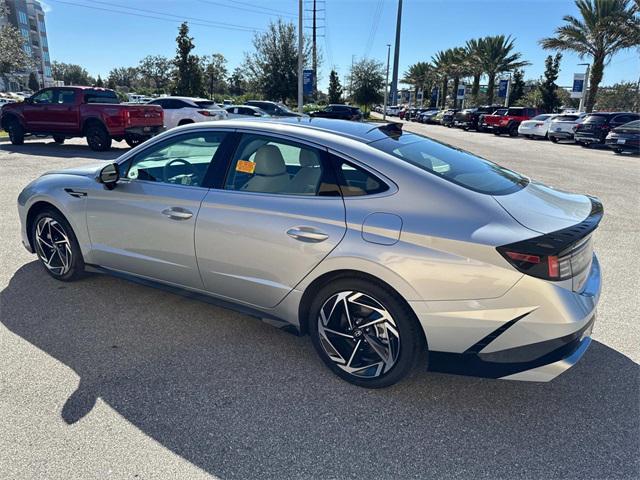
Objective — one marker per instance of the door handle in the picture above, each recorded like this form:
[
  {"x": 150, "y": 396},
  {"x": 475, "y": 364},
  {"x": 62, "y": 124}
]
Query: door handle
[
  {"x": 177, "y": 213},
  {"x": 307, "y": 234}
]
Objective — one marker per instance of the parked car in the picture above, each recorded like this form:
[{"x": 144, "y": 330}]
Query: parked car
[
  {"x": 596, "y": 126},
  {"x": 509, "y": 121},
  {"x": 4, "y": 101},
  {"x": 538, "y": 126},
  {"x": 468, "y": 119},
  {"x": 563, "y": 126},
  {"x": 625, "y": 138},
  {"x": 184, "y": 110},
  {"x": 338, "y": 111},
  {"x": 448, "y": 117},
  {"x": 244, "y": 111},
  {"x": 437, "y": 118},
  {"x": 482, "y": 124},
  {"x": 384, "y": 246},
  {"x": 428, "y": 115},
  {"x": 393, "y": 110},
  {"x": 94, "y": 113},
  {"x": 274, "y": 109}
]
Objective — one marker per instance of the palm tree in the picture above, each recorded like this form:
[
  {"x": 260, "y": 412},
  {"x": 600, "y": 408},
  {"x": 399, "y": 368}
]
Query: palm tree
[
  {"x": 444, "y": 64},
  {"x": 606, "y": 27},
  {"x": 420, "y": 76},
  {"x": 474, "y": 49},
  {"x": 497, "y": 56},
  {"x": 459, "y": 69}
]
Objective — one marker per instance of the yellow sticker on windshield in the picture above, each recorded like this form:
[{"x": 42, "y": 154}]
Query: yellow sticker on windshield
[{"x": 244, "y": 166}]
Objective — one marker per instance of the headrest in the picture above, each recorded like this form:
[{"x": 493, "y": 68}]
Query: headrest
[
  {"x": 308, "y": 158},
  {"x": 269, "y": 161}
]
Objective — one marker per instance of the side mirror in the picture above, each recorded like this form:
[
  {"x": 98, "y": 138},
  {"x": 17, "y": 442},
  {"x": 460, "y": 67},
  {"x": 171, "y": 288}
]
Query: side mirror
[{"x": 109, "y": 175}]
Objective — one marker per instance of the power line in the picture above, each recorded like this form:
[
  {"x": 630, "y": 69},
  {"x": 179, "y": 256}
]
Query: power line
[
  {"x": 377, "y": 15},
  {"x": 252, "y": 10},
  {"x": 281, "y": 12},
  {"x": 209, "y": 25},
  {"x": 178, "y": 17}
]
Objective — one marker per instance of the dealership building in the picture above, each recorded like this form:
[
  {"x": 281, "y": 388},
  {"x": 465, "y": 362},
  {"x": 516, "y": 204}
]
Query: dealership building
[{"x": 28, "y": 17}]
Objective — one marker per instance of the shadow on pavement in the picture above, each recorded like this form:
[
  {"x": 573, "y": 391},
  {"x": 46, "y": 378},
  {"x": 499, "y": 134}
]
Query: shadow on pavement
[
  {"x": 48, "y": 148},
  {"x": 241, "y": 399}
]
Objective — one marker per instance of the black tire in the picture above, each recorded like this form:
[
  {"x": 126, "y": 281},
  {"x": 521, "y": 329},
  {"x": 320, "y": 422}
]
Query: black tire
[
  {"x": 134, "y": 141},
  {"x": 618, "y": 150},
  {"x": 98, "y": 138},
  {"x": 75, "y": 263},
  {"x": 410, "y": 347},
  {"x": 496, "y": 133},
  {"x": 553, "y": 139},
  {"x": 59, "y": 139},
  {"x": 185, "y": 122},
  {"x": 513, "y": 131},
  {"x": 16, "y": 132}
]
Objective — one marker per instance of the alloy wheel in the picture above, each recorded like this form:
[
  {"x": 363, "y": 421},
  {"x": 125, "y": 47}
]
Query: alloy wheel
[
  {"x": 358, "y": 334},
  {"x": 53, "y": 246}
]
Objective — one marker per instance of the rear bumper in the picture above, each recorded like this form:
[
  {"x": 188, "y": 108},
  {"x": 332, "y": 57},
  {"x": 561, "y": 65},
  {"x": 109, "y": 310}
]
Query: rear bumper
[
  {"x": 630, "y": 145},
  {"x": 561, "y": 135},
  {"x": 587, "y": 138},
  {"x": 534, "y": 332},
  {"x": 148, "y": 131}
]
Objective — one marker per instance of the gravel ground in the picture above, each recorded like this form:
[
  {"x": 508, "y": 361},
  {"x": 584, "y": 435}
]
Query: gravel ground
[{"x": 105, "y": 379}]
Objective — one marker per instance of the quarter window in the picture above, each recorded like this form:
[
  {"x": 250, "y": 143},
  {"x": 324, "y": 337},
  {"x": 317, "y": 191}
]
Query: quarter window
[
  {"x": 268, "y": 165},
  {"x": 355, "y": 181},
  {"x": 182, "y": 160}
]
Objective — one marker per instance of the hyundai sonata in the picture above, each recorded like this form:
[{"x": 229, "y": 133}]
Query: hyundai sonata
[{"x": 384, "y": 246}]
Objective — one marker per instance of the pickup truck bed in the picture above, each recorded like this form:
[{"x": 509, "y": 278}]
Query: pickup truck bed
[{"x": 94, "y": 113}]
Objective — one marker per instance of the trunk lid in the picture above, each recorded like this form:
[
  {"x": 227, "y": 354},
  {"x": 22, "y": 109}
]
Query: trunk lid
[
  {"x": 544, "y": 209},
  {"x": 144, "y": 115}
]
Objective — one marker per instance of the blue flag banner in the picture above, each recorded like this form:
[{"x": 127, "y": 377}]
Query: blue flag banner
[
  {"x": 307, "y": 82},
  {"x": 578, "y": 85},
  {"x": 502, "y": 88}
]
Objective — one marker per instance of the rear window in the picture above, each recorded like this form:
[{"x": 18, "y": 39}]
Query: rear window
[
  {"x": 541, "y": 117},
  {"x": 635, "y": 125},
  {"x": 207, "y": 105},
  {"x": 457, "y": 166},
  {"x": 515, "y": 112},
  {"x": 597, "y": 119},
  {"x": 566, "y": 118},
  {"x": 100, "y": 96}
]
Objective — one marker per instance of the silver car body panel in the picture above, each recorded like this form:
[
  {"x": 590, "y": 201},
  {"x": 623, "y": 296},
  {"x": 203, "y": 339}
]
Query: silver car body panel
[{"x": 432, "y": 241}]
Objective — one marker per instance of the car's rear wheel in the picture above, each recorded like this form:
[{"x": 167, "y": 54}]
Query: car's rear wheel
[
  {"x": 59, "y": 139},
  {"x": 16, "y": 132},
  {"x": 98, "y": 138},
  {"x": 364, "y": 333},
  {"x": 553, "y": 139},
  {"x": 618, "y": 150},
  {"x": 56, "y": 246},
  {"x": 513, "y": 131}
]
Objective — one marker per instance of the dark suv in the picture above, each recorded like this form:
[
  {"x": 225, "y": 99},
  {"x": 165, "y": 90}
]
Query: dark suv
[
  {"x": 468, "y": 119},
  {"x": 274, "y": 109},
  {"x": 339, "y": 111},
  {"x": 596, "y": 126}
]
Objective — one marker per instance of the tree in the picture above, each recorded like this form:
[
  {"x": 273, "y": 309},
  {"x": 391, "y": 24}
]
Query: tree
[
  {"x": 548, "y": 87},
  {"x": 125, "y": 76},
  {"x": 237, "y": 82},
  {"x": 13, "y": 56},
  {"x": 111, "y": 83},
  {"x": 273, "y": 66},
  {"x": 443, "y": 62},
  {"x": 71, "y": 74},
  {"x": 215, "y": 72},
  {"x": 158, "y": 71},
  {"x": 474, "y": 48},
  {"x": 188, "y": 76},
  {"x": 335, "y": 89},
  {"x": 619, "y": 97},
  {"x": 420, "y": 75},
  {"x": 367, "y": 80},
  {"x": 516, "y": 90},
  {"x": 605, "y": 28},
  {"x": 99, "y": 82},
  {"x": 33, "y": 84},
  {"x": 497, "y": 56}
]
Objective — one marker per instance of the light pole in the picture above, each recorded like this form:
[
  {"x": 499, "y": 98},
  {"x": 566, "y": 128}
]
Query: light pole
[
  {"x": 396, "y": 57},
  {"x": 300, "y": 55},
  {"x": 585, "y": 86},
  {"x": 506, "y": 97},
  {"x": 386, "y": 84}
]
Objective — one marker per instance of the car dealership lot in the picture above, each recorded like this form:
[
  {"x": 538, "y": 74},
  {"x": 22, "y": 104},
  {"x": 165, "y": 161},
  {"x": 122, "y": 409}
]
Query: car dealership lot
[{"x": 107, "y": 379}]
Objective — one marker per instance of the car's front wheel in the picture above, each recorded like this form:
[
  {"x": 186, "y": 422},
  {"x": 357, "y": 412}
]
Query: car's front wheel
[
  {"x": 16, "y": 132},
  {"x": 364, "y": 333},
  {"x": 59, "y": 139},
  {"x": 56, "y": 246}
]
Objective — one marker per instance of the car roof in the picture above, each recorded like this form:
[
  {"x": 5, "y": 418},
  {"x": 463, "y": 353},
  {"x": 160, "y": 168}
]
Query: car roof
[
  {"x": 364, "y": 132},
  {"x": 192, "y": 99}
]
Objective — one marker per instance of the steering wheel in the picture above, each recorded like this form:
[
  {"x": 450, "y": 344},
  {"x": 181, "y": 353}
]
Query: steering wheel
[{"x": 165, "y": 170}]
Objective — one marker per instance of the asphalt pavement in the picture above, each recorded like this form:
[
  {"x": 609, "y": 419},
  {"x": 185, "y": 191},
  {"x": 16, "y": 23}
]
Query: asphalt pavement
[{"x": 104, "y": 379}]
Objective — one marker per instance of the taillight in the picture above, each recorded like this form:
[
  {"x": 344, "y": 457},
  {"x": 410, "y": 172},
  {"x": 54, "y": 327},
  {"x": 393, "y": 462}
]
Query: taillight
[
  {"x": 206, "y": 113},
  {"x": 126, "y": 116},
  {"x": 549, "y": 267}
]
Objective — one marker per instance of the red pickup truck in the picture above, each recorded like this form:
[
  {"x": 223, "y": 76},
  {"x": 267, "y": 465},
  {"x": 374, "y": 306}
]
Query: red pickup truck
[
  {"x": 507, "y": 120},
  {"x": 95, "y": 113}
]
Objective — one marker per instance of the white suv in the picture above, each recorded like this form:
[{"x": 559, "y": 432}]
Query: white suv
[{"x": 183, "y": 110}]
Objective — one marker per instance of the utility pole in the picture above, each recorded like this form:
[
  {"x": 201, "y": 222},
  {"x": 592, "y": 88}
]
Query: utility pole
[
  {"x": 300, "y": 56},
  {"x": 351, "y": 78},
  {"x": 396, "y": 57},
  {"x": 585, "y": 87},
  {"x": 386, "y": 84},
  {"x": 315, "y": 58}
]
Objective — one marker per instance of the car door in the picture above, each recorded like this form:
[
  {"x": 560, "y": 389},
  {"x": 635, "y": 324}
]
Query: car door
[
  {"x": 146, "y": 224},
  {"x": 277, "y": 215},
  {"x": 36, "y": 110},
  {"x": 63, "y": 113}
]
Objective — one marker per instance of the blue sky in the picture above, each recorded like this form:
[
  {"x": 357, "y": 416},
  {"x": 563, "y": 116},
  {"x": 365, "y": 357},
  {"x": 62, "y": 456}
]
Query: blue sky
[{"x": 102, "y": 39}]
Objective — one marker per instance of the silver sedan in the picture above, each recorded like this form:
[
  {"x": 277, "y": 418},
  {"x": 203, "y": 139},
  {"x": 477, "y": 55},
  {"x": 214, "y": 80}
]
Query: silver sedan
[{"x": 384, "y": 246}]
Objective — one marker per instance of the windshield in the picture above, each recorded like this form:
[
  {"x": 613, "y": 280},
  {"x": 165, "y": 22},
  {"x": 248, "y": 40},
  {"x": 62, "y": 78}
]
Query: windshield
[
  {"x": 541, "y": 117},
  {"x": 566, "y": 118},
  {"x": 457, "y": 166},
  {"x": 284, "y": 107},
  {"x": 207, "y": 105}
]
